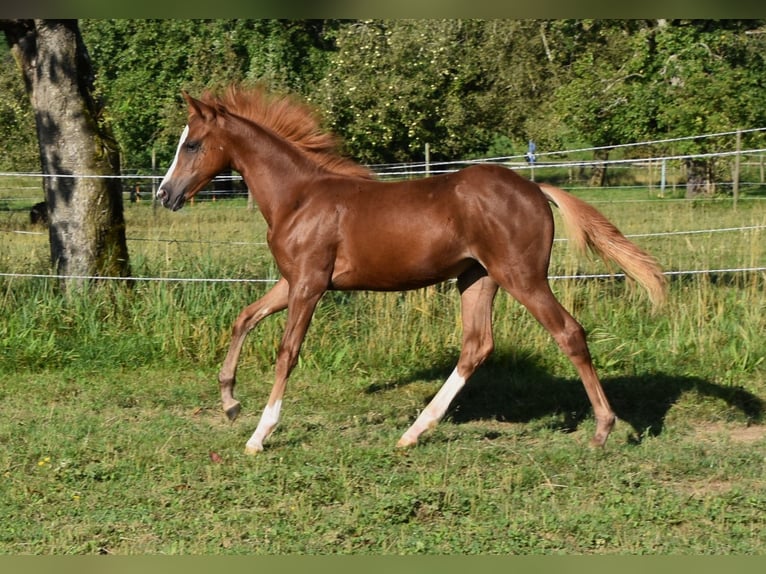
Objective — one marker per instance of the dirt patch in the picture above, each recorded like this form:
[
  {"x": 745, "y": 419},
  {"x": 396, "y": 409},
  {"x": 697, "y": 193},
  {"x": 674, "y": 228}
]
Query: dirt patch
[
  {"x": 749, "y": 434},
  {"x": 720, "y": 432},
  {"x": 701, "y": 489},
  {"x": 739, "y": 434}
]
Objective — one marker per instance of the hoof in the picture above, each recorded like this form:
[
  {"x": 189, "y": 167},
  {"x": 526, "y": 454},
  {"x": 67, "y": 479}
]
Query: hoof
[
  {"x": 251, "y": 450},
  {"x": 233, "y": 411},
  {"x": 598, "y": 441},
  {"x": 603, "y": 430},
  {"x": 406, "y": 442}
]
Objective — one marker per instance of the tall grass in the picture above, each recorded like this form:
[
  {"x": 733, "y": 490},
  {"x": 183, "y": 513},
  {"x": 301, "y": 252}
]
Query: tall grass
[
  {"x": 714, "y": 322},
  {"x": 148, "y": 321}
]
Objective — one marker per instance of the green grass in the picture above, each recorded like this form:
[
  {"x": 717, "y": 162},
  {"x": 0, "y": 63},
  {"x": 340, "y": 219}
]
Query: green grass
[{"x": 112, "y": 439}]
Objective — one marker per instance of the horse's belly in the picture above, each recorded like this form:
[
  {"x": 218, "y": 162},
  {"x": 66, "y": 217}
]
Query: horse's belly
[{"x": 397, "y": 273}]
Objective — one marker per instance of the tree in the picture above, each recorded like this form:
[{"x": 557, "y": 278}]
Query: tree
[
  {"x": 19, "y": 150},
  {"x": 141, "y": 66},
  {"x": 710, "y": 79},
  {"x": 77, "y": 151},
  {"x": 632, "y": 80},
  {"x": 608, "y": 64},
  {"x": 459, "y": 85},
  {"x": 469, "y": 88}
]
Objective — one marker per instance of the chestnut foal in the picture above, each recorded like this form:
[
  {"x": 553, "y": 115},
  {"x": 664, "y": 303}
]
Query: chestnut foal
[{"x": 333, "y": 226}]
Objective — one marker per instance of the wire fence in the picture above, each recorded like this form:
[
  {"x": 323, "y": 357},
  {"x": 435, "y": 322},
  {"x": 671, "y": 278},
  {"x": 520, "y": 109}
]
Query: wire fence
[
  {"x": 137, "y": 186},
  {"x": 708, "y": 231},
  {"x": 652, "y": 162},
  {"x": 690, "y": 272}
]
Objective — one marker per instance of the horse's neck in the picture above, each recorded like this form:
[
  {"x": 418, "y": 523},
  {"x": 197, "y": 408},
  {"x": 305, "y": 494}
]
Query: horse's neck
[{"x": 273, "y": 170}]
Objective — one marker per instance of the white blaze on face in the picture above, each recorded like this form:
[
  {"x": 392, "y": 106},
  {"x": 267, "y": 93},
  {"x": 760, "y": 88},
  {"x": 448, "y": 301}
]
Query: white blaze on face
[{"x": 172, "y": 167}]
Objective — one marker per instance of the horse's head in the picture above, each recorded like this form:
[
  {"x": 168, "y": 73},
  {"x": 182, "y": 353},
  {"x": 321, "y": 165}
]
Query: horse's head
[{"x": 201, "y": 155}]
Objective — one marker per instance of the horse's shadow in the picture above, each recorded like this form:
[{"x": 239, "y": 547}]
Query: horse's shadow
[{"x": 520, "y": 390}]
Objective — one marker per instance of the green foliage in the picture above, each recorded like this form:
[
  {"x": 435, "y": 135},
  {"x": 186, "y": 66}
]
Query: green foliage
[
  {"x": 143, "y": 65},
  {"x": 635, "y": 80},
  {"x": 394, "y": 86},
  {"x": 18, "y": 134},
  {"x": 388, "y": 87},
  {"x": 607, "y": 68}
]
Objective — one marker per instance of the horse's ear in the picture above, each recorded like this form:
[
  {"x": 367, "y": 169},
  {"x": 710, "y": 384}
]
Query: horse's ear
[
  {"x": 199, "y": 108},
  {"x": 221, "y": 109}
]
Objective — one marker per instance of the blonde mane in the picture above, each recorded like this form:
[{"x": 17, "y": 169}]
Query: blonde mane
[{"x": 292, "y": 120}]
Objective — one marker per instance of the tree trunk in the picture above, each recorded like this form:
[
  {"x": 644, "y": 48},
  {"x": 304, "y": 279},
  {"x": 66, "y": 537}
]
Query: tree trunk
[
  {"x": 598, "y": 175},
  {"x": 86, "y": 221},
  {"x": 699, "y": 178}
]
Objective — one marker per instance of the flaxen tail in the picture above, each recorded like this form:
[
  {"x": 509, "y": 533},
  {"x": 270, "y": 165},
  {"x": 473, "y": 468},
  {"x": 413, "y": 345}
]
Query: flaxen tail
[{"x": 587, "y": 227}]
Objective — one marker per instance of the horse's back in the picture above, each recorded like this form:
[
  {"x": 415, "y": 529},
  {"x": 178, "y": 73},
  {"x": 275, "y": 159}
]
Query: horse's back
[{"x": 419, "y": 232}]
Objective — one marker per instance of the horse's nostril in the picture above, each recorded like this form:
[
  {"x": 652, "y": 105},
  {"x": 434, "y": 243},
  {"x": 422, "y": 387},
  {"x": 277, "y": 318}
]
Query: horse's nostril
[{"x": 161, "y": 194}]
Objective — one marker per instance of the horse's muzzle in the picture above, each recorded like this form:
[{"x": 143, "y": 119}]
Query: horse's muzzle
[{"x": 170, "y": 202}]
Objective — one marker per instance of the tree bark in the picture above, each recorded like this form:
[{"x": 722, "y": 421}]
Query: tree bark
[
  {"x": 86, "y": 220},
  {"x": 699, "y": 178},
  {"x": 598, "y": 175}
]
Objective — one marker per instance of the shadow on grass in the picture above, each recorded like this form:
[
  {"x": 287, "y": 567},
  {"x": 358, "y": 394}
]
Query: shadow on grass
[{"x": 520, "y": 390}]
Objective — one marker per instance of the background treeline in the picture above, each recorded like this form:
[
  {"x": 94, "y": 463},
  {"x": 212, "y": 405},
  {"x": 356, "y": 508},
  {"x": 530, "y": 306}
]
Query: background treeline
[{"x": 469, "y": 88}]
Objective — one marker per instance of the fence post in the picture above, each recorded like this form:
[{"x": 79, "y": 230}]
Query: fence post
[
  {"x": 428, "y": 159},
  {"x": 154, "y": 181},
  {"x": 663, "y": 176},
  {"x": 735, "y": 183}
]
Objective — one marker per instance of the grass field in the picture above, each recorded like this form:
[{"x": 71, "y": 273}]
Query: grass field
[{"x": 112, "y": 439}]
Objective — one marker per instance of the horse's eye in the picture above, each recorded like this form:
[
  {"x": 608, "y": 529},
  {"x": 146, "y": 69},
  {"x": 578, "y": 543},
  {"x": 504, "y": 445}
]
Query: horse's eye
[{"x": 192, "y": 147}]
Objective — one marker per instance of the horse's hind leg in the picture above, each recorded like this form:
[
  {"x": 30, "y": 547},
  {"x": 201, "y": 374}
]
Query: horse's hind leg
[
  {"x": 570, "y": 336},
  {"x": 477, "y": 293},
  {"x": 273, "y": 301}
]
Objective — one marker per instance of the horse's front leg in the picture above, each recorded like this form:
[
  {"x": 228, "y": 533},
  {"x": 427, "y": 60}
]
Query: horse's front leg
[
  {"x": 302, "y": 302},
  {"x": 273, "y": 301}
]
